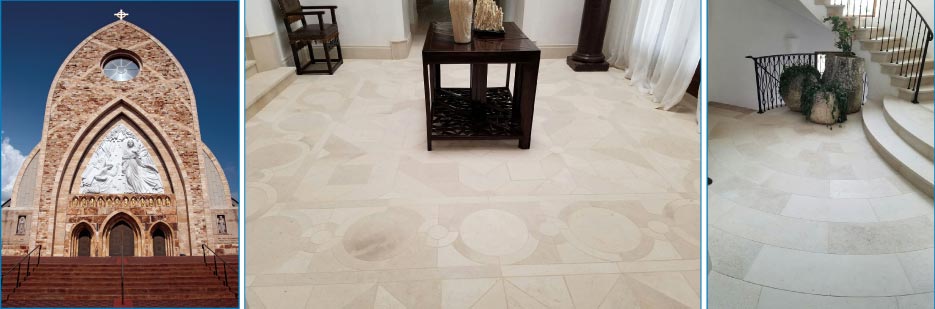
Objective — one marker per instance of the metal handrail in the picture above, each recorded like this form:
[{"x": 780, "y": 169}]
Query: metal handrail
[
  {"x": 224, "y": 265},
  {"x": 29, "y": 267}
]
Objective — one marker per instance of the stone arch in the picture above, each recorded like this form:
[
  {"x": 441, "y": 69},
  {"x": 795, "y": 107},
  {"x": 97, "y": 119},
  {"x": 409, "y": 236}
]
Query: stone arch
[
  {"x": 168, "y": 238},
  {"x": 76, "y": 243},
  {"x": 131, "y": 221}
]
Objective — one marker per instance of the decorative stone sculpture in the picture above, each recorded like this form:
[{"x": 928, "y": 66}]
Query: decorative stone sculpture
[
  {"x": 848, "y": 73},
  {"x": 488, "y": 17},
  {"x": 461, "y": 15},
  {"x": 121, "y": 165}
]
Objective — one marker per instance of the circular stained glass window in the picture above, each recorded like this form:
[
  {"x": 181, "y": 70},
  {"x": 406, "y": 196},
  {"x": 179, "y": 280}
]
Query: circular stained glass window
[{"x": 121, "y": 69}]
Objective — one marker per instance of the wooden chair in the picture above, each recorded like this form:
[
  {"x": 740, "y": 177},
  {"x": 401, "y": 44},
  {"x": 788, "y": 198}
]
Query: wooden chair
[{"x": 307, "y": 35}]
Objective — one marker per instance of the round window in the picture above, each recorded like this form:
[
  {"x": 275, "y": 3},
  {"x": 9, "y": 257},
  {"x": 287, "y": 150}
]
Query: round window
[{"x": 121, "y": 69}]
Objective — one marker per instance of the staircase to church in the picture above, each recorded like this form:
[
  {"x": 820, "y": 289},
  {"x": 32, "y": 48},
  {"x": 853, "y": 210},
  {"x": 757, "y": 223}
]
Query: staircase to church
[{"x": 96, "y": 282}]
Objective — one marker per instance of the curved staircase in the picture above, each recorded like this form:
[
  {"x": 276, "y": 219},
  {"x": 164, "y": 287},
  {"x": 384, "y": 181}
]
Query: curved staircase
[
  {"x": 96, "y": 282},
  {"x": 900, "y": 126}
]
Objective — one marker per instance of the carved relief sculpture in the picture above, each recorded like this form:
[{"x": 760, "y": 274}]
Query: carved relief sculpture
[
  {"x": 461, "y": 14},
  {"x": 488, "y": 17},
  {"x": 121, "y": 165}
]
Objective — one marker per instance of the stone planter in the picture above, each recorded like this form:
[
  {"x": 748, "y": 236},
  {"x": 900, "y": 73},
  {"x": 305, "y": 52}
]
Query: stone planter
[
  {"x": 848, "y": 73},
  {"x": 462, "y": 14},
  {"x": 793, "y": 95},
  {"x": 823, "y": 111}
]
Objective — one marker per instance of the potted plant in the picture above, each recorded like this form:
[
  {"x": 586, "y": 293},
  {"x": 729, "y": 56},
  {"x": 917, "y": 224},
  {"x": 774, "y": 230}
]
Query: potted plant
[
  {"x": 824, "y": 103},
  {"x": 845, "y": 69},
  {"x": 793, "y": 81}
]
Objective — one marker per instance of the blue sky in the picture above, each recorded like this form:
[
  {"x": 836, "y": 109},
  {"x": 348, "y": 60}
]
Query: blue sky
[{"x": 38, "y": 36}]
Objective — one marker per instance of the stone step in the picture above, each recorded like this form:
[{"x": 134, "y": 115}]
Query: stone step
[
  {"x": 897, "y": 152},
  {"x": 104, "y": 296},
  {"x": 891, "y": 55},
  {"x": 928, "y": 79},
  {"x": 914, "y": 123},
  {"x": 264, "y": 86},
  {"x": 250, "y": 68},
  {"x": 904, "y": 67},
  {"x": 887, "y": 42},
  {"x": 186, "y": 303},
  {"x": 926, "y": 94}
]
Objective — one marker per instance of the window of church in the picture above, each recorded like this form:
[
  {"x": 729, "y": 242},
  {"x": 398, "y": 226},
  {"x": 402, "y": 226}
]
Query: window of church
[{"x": 121, "y": 68}]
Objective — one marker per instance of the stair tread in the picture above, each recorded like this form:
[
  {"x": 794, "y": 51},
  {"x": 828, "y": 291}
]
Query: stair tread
[
  {"x": 897, "y": 152},
  {"x": 915, "y": 120},
  {"x": 261, "y": 83}
]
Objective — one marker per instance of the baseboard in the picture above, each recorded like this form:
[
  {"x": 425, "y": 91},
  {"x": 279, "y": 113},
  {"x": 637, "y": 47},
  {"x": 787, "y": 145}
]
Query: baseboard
[
  {"x": 367, "y": 52},
  {"x": 557, "y": 51},
  {"x": 400, "y": 50}
]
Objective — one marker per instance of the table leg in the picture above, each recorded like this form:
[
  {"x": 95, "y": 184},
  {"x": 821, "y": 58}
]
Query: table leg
[
  {"x": 479, "y": 82},
  {"x": 428, "y": 104},
  {"x": 436, "y": 81},
  {"x": 530, "y": 75},
  {"x": 517, "y": 92}
]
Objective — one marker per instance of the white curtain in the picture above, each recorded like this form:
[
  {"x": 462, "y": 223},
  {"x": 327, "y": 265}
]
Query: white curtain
[{"x": 657, "y": 44}]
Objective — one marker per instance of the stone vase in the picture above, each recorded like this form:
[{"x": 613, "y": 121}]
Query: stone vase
[
  {"x": 793, "y": 95},
  {"x": 462, "y": 13},
  {"x": 848, "y": 73},
  {"x": 823, "y": 111}
]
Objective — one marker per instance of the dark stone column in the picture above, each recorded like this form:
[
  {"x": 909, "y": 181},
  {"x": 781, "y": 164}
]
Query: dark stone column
[{"x": 590, "y": 57}]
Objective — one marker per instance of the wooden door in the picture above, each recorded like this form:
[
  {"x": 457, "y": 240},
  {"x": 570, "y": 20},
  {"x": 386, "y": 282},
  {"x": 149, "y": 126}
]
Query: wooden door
[
  {"x": 159, "y": 243},
  {"x": 121, "y": 240},
  {"x": 84, "y": 243}
]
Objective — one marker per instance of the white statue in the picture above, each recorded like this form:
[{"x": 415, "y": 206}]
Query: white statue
[{"x": 121, "y": 165}]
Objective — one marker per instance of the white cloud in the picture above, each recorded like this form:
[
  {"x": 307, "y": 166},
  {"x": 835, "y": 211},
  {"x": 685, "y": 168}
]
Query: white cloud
[{"x": 12, "y": 160}]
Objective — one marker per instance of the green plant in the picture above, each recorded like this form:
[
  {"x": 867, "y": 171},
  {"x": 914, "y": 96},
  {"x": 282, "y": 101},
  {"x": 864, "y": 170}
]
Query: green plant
[
  {"x": 845, "y": 33},
  {"x": 791, "y": 73},
  {"x": 810, "y": 94}
]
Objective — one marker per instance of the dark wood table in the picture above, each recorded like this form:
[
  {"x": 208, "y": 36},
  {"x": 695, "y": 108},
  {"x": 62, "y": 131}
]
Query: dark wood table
[{"x": 479, "y": 112}]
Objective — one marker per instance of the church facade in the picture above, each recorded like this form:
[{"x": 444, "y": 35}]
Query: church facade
[{"x": 121, "y": 169}]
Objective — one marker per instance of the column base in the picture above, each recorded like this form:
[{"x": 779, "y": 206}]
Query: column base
[{"x": 578, "y": 66}]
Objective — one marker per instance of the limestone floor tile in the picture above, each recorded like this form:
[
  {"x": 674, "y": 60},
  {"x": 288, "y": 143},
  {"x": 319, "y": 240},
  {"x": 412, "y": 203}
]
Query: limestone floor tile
[
  {"x": 346, "y": 208},
  {"x": 729, "y": 292},
  {"x": 778, "y": 299},
  {"x": 829, "y": 274},
  {"x": 846, "y": 229}
]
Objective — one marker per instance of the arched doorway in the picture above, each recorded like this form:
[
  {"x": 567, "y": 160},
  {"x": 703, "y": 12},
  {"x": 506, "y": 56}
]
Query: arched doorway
[
  {"x": 82, "y": 240},
  {"x": 122, "y": 240},
  {"x": 84, "y": 243},
  {"x": 159, "y": 243}
]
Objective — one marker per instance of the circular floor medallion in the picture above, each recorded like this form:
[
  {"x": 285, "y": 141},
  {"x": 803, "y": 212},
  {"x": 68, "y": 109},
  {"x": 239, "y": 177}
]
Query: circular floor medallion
[
  {"x": 274, "y": 155},
  {"x": 494, "y": 232}
]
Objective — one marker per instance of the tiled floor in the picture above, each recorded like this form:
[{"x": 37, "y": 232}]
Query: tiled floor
[
  {"x": 807, "y": 216},
  {"x": 348, "y": 209}
]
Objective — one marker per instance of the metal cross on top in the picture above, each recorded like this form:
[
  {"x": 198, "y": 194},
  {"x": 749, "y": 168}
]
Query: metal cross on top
[{"x": 121, "y": 14}]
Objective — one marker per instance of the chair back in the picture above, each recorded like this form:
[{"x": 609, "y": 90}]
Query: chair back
[{"x": 290, "y": 6}]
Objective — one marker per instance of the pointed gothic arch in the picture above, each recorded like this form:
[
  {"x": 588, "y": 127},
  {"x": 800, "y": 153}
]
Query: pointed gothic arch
[
  {"x": 119, "y": 221},
  {"x": 84, "y": 240}
]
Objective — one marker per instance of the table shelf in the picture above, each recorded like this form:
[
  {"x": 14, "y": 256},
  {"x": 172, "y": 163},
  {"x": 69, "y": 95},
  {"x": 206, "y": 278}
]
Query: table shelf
[{"x": 455, "y": 116}]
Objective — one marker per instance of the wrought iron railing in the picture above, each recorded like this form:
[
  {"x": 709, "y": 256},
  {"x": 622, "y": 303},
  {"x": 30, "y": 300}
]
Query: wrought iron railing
[
  {"x": 896, "y": 24},
  {"x": 224, "y": 267},
  {"x": 900, "y": 28},
  {"x": 770, "y": 68},
  {"x": 19, "y": 268}
]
